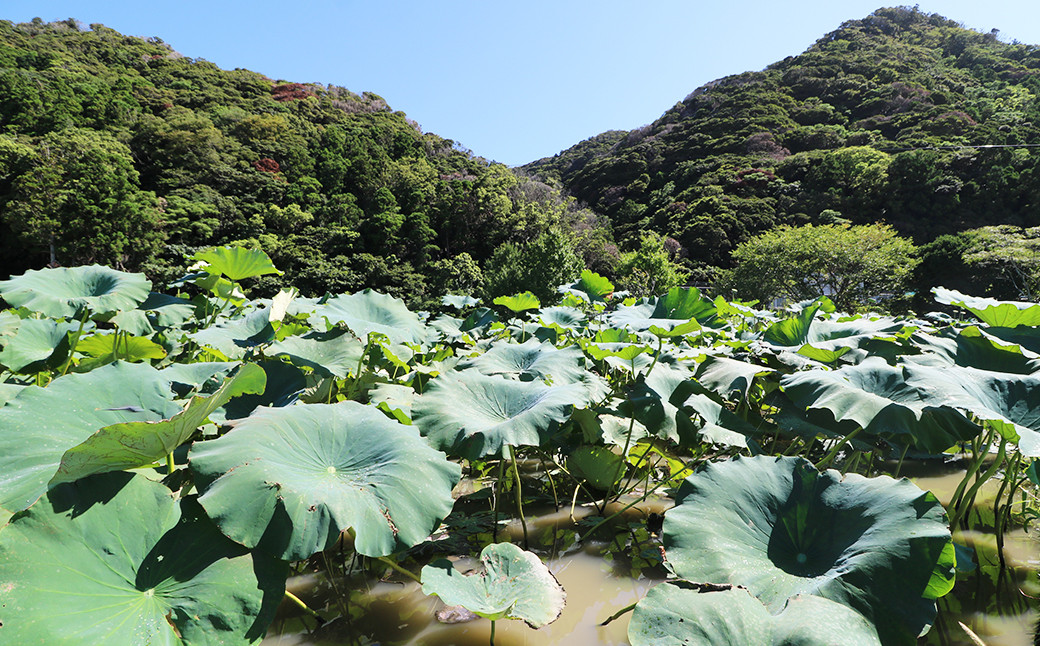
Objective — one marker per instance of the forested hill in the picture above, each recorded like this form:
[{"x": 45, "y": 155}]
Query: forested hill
[
  {"x": 121, "y": 151},
  {"x": 865, "y": 126}
]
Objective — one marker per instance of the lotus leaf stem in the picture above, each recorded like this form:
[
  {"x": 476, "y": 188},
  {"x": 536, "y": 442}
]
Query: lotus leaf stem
[
  {"x": 518, "y": 494},
  {"x": 397, "y": 568},
  {"x": 902, "y": 456},
  {"x": 169, "y": 463},
  {"x": 973, "y": 491},
  {"x": 619, "y": 613},
  {"x": 492, "y": 632},
  {"x": 827, "y": 459},
  {"x": 625, "y": 508},
  {"x": 303, "y": 606},
  {"x": 621, "y": 464},
  {"x": 75, "y": 341}
]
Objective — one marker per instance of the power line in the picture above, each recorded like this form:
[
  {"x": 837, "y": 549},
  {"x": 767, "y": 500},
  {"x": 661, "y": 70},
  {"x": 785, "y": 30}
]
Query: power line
[{"x": 956, "y": 147}]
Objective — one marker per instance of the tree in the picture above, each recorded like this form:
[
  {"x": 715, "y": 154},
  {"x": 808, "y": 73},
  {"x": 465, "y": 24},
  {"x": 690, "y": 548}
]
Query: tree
[
  {"x": 650, "y": 269},
  {"x": 851, "y": 264},
  {"x": 538, "y": 267}
]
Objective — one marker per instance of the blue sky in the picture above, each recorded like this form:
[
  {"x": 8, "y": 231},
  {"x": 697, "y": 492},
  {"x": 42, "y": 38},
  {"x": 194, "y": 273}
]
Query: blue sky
[{"x": 512, "y": 81}]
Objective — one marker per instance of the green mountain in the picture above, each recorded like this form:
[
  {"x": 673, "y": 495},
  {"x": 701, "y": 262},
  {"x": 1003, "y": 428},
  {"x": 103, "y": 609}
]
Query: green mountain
[
  {"x": 902, "y": 117},
  {"x": 121, "y": 151}
]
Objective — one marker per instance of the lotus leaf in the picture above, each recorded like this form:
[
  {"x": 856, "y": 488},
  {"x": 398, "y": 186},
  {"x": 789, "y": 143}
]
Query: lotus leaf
[
  {"x": 730, "y": 378},
  {"x": 236, "y": 262},
  {"x": 781, "y": 528},
  {"x": 473, "y": 415},
  {"x": 66, "y": 291},
  {"x": 514, "y": 585},
  {"x": 106, "y": 348},
  {"x": 597, "y": 465},
  {"x": 991, "y": 311},
  {"x": 114, "y": 560},
  {"x": 566, "y": 318},
  {"x": 285, "y": 385},
  {"x": 905, "y": 403},
  {"x": 330, "y": 353},
  {"x": 677, "y": 307},
  {"x": 975, "y": 348},
  {"x": 371, "y": 311},
  {"x": 290, "y": 480},
  {"x": 233, "y": 338},
  {"x": 591, "y": 287},
  {"x": 40, "y": 424},
  {"x": 38, "y": 344},
  {"x": 134, "y": 444},
  {"x": 158, "y": 310},
  {"x": 529, "y": 361},
  {"x": 519, "y": 302},
  {"x": 681, "y": 613},
  {"x": 459, "y": 302}
]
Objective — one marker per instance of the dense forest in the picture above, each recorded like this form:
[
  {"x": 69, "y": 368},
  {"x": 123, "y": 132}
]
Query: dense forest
[
  {"x": 121, "y": 151},
  {"x": 902, "y": 117}
]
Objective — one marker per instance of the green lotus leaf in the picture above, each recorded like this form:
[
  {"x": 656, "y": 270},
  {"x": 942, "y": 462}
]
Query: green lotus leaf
[
  {"x": 135, "y": 444},
  {"x": 898, "y": 402},
  {"x": 285, "y": 385},
  {"x": 597, "y": 465},
  {"x": 514, "y": 585},
  {"x": 66, "y": 291},
  {"x": 204, "y": 376},
  {"x": 591, "y": 287},
  {"x": 677, "y": 307},
  {"x": 479, "y": 320},
  {"x": 10, "y": 391},
  {"x": 38, "y": 344},
  {"x": 157, "y": 311},
  {"x": 729, "y": 378},
  {"x": 236, "y": 262},
  {"x": 675, "y": 613},
  {"x": 233, "y": 338},
  {"x": 781, "y": 528},
  {"x": 792, "y": 331},
  {"x": 975, "y": 348},
  {"x": 566, "y": 318},
  {"x": 393, "y": 397},
  {"x": 114, "y": 560},
  {"x": 106, "y": 348},
  {"x": 459, "y": 302},
  {"x": 371, "y": 311},
  {"x": 530, "y": 360},
  {"x": 40, "y": 424},
  {"x": 473, "y": 415},
  {"x": 290, "y": 480},
  {"x": 991, "y": 311},
  {"x": 719, "y": 424},
  {"x": 330, "y": 353},
  {"x": 519, "y": 302}
]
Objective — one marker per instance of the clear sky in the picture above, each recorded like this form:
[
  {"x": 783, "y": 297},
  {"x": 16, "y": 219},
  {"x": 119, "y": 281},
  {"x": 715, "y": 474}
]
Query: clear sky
[{"x": 512, "y": 81}]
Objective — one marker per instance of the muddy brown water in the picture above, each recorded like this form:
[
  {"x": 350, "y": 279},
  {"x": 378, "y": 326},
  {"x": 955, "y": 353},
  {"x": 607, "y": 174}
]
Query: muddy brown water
[{"x": 999, "y": 610}]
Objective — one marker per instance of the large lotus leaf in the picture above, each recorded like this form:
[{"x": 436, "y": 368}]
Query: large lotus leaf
[
  {"x": 519, "y": 302},
  {"x": 781, "y": 528},
  {"x": 203, "y": 376},
  {"x": 114, "y": 560},
  {"x": 371, "y": 311},
  {"x": 972, "y": 347},
  {"x": 330, "y": 353},
  {"x": 454, "y": 328},
  {"x": 235, "y": 337},
  {"x": 654, "y": 399},
  {"x": 158, "y": 310},
  {"x": 674, "y": 613},
  {"x": 991, "y": 311},
  {"x": 37, "y": 345},
  {"x": 290, "y": 480},
  {"x": 66, "y": 291},
  {"x": 473, "y": 415},
  {"x": 720, "y": 425},
  {"x": 514, "y": 585},
  {"x": 591, "y": 287},
  {"x": 675, "y": 308},
  {"x": 236, "y": 262},
  {"x": 891, "y": 401},
  {"x": 106, "y": 348},
  {"x": 40, "y": 424},
  {"x": 530, "y": 360},
  {"x": 597, "y": 465},
  {"x": 134, "y": 444},
  {"x": 566, "y": 318},
  {"x": 730, "y": 378},
  {"x": 792, "y": 331},
  {"x": 458, "y": 301},
  {"x": 1025, "y": 336}
]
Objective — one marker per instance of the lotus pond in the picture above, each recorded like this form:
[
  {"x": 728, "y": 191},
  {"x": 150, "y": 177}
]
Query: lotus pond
[{"x": 193, "y": 466}]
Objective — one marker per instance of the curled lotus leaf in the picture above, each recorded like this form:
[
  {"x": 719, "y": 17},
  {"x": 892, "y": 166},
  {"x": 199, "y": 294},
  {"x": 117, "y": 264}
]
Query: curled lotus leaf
[
  {"x": 781, "y": 528},
  {"x": 590, "y": 287},
  {"x": 67, "y": 291},
  {"x": 519, "y": 302},
  {"x": 515, "y": 584},
  {"x": 529, "y": 361},
  {"x": 113, "y": 559},
  {"x": 905, "y": 403},
  {"x": 370, "y": 311},
  {"x": 683, "y": 613},
  {"x": 40, "y": 424},
  {"x": 234, "y": 337},
  {"x": 473, "y": 415},
  {"x": 991, "y": 311},
  {"x": 677, "y": 307},
  {"x": 290, "y": 480},
  {"x": 38, "y": 344},
  {"x": 236, "y": 262}
]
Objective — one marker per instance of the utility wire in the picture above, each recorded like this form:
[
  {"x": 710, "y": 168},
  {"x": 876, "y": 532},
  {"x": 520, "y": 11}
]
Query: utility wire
[{"x": 955, "y": 147}]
